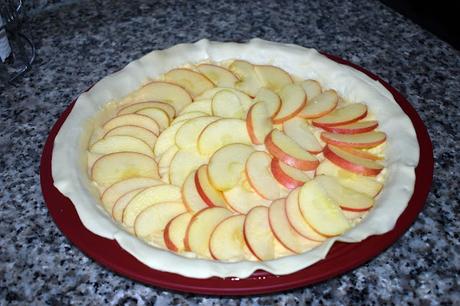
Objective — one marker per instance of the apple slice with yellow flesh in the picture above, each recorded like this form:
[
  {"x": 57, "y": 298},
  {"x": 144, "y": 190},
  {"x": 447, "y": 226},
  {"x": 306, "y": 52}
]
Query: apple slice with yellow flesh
[
  {"x": 187, "y": 135},
  {"x": 165, "y": 161},
  {"x": 296, "y": 219},
  {"x": 261, "y": 178},
  {"x": 157, "y": 114},
  {"x": 312, "y": 88},
  {"x": 321, "y": 211},
  {"x": 226, "y": 104},
  {"x": 201, "y": 227},
  {"x": 320, "y": 105},
  {"x": 227, "y": 164},
  {"x": 165, "y": 92},
  {"x": 182, "y": 164},
  {"x": 245, "y": 100},
  {"x": 271, "y": 100},
  {"x": 167, "y": 139},
  {"x": 120, "y": 205},
  {"x": 202, "y": 106},
  {"x": 364, "y": 140},
  {"x": 175, "y": 230},
  {"x": 284, "y": 232},
  {"x": 132, "y": 108},
  {"x": 248, "y": 82},
  {"x": 242, "y": 198},
  {"x": 188, "y": 116},
  {"x": 272, "y": 77},
  {"x": 222, "y": 132},
  {"x": 134, "y": 131},
  {"x": 194, "y": 82},
  {"x": 347, "y": 198},
  {"x": 148, "y": 197},
  {"x": 220, "y": 76},
  {"x": 293, "y": 100},
  {"x": 351, "y": 180},
  {"x": 362, "y": 153},
  {"x": 210, "y": 195},
  {"x": 351, "y": 162},
  {"x": 192, "y": 199},
  {"x": 112, "y": 168},
  {"x": 114, "y": 192},
  {"x": 150, "y": 223},
  {"x": 353, "y": 128},
  {"x": 288, "y": 151},
  {"x": 258, "y": 234},
  {"x": 344, "y": 115},
  {"x": 258, "y": 122},
  {"x": 113, "y": 144},
  {"x": 288, "y": 176},
  {"x": 227, "y": 239},
  {"x": 133, "y": 119},
  {"x": 299, "y": 130}
]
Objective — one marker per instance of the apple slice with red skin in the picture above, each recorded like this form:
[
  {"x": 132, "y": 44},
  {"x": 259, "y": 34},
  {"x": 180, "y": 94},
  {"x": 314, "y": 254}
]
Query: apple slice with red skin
[
  {"x": 299, "y": 130},
  {"x": 350, "y": 162},
  {"x": 119, "y": 143},
  {"x": 344, "y": 115},
  {"x": 288, "y": 151},
  {"x": 258, "y": 234},
  {"x": 288, "y": 176},
  {"x": 347, "y": 198},
  {"x": 120, "y": 205},
  {"x": 227, "y": 240},
  {"x": 132, "y": 108},
  {"x": 133, "y": 119},
  {"x": 320, "y": 105},
  {"x": 296, "y": 219},
  {"x": 361, "y": 153},
  {"x": 243, "y": 198},
  {"x": 248, "y": 82},
  {"x": 194, "y": 82},
  {"x": 271, "y": 100},
  {"x": 364, "y": 140},
  {"x": 293, "y": 100},
  {"x": 201, "y": 227},
  {"x": 174, "y": 233},
  {"x": 284, "y": 232},
  {"x": 312, "y": 88},
  {"x": 210, "y": 195},
  {"x": 160, "y": 116},
  {"x": 261, "y": 178},
  {"x": 273, "y": 77},
  {"x": 258, "y": 122},
  {"x": 353, "y": 128},
  {"x": 134, "y": 131},
  {"x": 220, "y": 76},
  {"x": 192, "y": 199}
]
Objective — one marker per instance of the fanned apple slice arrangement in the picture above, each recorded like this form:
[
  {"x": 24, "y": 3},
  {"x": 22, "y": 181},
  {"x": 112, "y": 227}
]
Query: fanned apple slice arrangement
[{"x": 237, "y": 162}]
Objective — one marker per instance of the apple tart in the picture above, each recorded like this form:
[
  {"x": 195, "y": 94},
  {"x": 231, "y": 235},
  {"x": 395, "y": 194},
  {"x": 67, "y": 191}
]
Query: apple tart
[{"x": 237, "y": 157}]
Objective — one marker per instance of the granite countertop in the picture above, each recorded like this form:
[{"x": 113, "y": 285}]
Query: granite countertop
[{"x": 82, "y": 41}]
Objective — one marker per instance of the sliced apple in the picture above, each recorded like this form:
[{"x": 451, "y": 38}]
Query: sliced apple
[
  {"x": 165, "y": 92},
  {"x": 242, "y": 198},
  {"x": 350, "y": 162},
  {"x": 273, "y": 78},
  {"x": 115, "y": 191},
  {"x": 202, "y": 106},
  {"x": 284, "y": 232},
  {"x": 321, "y": 211},
  {"x": 288, "y": 151},
  {"x": 157, "y": 114},
  {"x": 364, "y": 140},
  {"x": 353, "y": 128},
  {"x": 344, "y": 115},
  {"x": 362, "y": 153},
  {"x": 249, "y": 82},
  {"x": 258, "y": 234},
  {"x": 227, "y": 164},
  {"x": 132, "y": 108},
  {"x": 261, "y": 178},
  {"x": 320, "y": 105},
  {"x": 220, "y": 76},
  {"x": 288, "y": 176},
  {"x": 113, "y": 144},
  {"x": 245, "y": 100},
  {"x": 175, "y": 230},
  {"x": 187, "y": 135},
  {"x": 133, "y": 119},
  {"x": 258, "y": 122},
  {"x": 134, "y": 131},
  {"x": 210, "y": 195},
  {"x": 192, "y": 199},
  {"x": 121, "y": 203},
  {"x": 149, "y": 197},
  {"x": 188, "y": 116},
  {"x": 165, "y": 161},
  {"x": 312, "y": 88},
  {"x": 115, "y": 167},
  {"x": 150, "y": 223},
  {"x": 293, "y": 100},
  {"x": 296, "y": 219},
  {"x": 222, "y": 132},
  {"x": 201, "y": 227},
  {"x": 271, "y": 100},
  {"x": 167, "y": 139},
  {"x": 194, "y": 82},
  {"x": 359, "y": 183},
  {"x": 227, "y": 240},
  {"x": 182, "y": 164},
  {"x": 226, "y": 104},
  {"x": 300, "y": 131},
  {"x": 347, "y": 198}
]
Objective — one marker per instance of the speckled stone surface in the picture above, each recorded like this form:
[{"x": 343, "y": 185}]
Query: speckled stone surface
[{"x": 82, "y": 42}]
